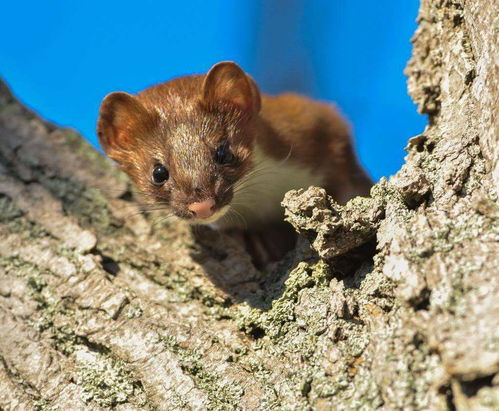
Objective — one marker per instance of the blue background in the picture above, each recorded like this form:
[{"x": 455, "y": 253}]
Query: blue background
[{"x": 63, "y": 57}]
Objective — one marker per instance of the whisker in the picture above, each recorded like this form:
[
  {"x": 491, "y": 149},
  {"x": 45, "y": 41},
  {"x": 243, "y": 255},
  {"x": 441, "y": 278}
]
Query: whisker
[
  {"x": 245, "y": 223},
  {"x": 159, "y": 220},
  {"x": 142, "y": 208},
  {"x": 257, "y": 171},
  {"x": 141, "y": 212},
  {"x": 254, "y": 184},
  {"x": 233, "y": 218}
]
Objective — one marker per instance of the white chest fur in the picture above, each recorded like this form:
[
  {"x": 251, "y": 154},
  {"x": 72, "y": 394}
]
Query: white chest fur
[{"x": 258, "y": 196}]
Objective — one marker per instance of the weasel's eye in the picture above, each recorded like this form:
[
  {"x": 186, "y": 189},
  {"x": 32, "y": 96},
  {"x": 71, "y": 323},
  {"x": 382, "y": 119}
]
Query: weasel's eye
[
  {"x": 159, "y": 174},
  {"x": 223, "y": 154}
]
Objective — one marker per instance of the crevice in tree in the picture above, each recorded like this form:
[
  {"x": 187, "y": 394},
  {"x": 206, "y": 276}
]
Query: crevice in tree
[
  {"x": 127, "y": 195},
  {"x": 108, "y": 264},
  {"x": 256, "y": 333},
  {"x": 93, "y": 346},
  {"x": 471, "y": 388},
  {"x": 446, "y": 391},
  {"x": 423, "y": 300}
]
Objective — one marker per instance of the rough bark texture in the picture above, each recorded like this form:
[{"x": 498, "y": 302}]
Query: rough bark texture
[{"x": 101, "y": 306}]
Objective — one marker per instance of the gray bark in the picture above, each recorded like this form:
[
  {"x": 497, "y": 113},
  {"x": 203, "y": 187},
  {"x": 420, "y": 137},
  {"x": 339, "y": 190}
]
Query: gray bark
[{"x": 396, "y": 307}]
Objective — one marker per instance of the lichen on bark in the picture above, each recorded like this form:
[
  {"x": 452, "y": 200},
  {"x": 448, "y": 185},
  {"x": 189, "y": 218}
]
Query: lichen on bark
[{"x": 395, "y": 307}]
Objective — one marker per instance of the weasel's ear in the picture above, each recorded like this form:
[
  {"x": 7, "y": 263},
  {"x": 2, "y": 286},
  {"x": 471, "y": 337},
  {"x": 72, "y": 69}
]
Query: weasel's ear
[
  {"x": 226, "y": 82},
  {"x": 122, "y": 121}
]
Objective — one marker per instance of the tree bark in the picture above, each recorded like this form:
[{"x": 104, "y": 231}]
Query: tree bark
[{"x": 396, "y": 307}]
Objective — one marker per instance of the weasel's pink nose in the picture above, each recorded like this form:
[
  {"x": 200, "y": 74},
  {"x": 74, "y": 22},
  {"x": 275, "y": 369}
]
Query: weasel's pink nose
[{"x": 203, "y": 209}]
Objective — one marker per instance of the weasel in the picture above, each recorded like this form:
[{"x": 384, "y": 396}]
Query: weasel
[{"x": 211, "y": 149}]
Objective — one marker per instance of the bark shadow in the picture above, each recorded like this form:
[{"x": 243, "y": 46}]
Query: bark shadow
[{"x": 230, "y": 268}]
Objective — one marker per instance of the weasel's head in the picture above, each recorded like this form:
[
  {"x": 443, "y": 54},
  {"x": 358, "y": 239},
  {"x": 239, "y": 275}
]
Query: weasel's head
[{"x": 185, "y": 143}]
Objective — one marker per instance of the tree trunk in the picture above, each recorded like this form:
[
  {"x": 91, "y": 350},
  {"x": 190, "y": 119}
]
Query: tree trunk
[{"x": 103, "y": 306}]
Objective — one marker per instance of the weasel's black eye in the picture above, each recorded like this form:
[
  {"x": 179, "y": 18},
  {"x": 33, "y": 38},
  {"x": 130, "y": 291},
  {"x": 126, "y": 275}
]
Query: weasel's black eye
[
  {"x": 159, "y": 174},
  {"x": 223, "y": 154}
]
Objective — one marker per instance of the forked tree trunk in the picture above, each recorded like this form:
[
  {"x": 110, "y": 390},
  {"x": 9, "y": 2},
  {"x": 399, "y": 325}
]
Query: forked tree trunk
[{"x": 101, "y": 306}]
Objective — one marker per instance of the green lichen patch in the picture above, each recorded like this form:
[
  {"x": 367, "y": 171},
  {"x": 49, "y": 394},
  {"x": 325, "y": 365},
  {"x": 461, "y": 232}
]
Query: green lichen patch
[
  {"x": 44, "y": 405},
  {"x": 222, "y": 393},
  {"x": 274, "y": 322},
  {"x": 133, "y": 311},
  {"x": 107, "y": 382}
]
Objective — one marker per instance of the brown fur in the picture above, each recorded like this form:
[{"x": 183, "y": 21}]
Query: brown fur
[
  {"x": 314, "y": 135},
  {"x": 181, "y": 123}
]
